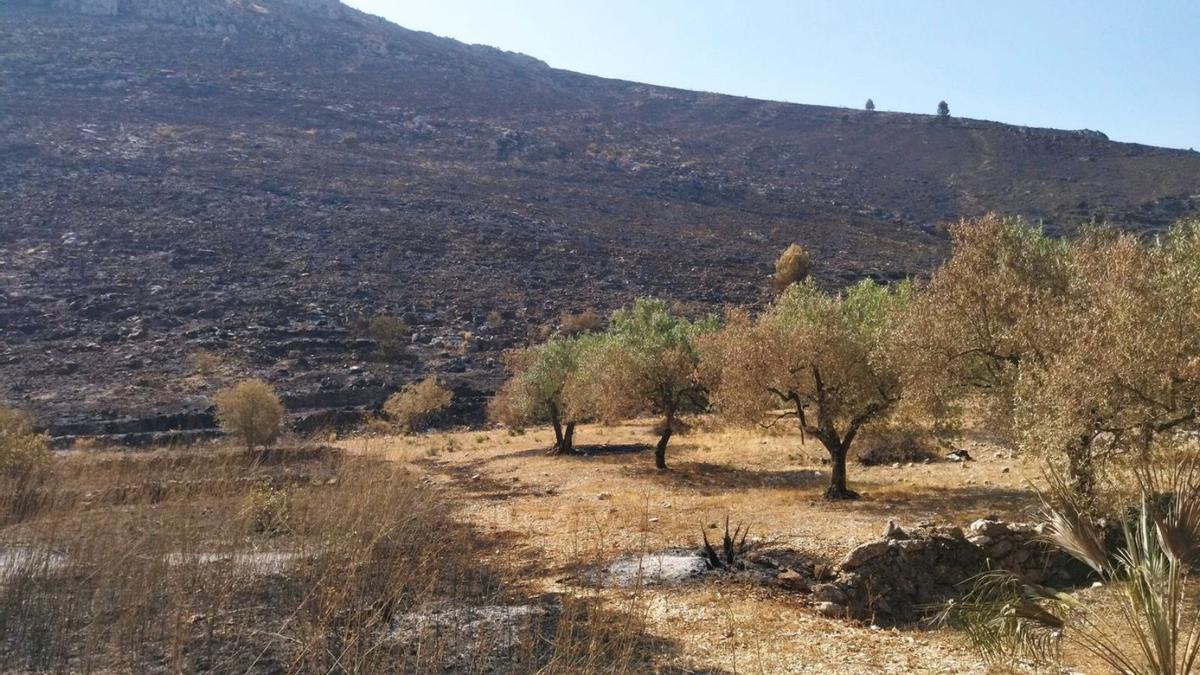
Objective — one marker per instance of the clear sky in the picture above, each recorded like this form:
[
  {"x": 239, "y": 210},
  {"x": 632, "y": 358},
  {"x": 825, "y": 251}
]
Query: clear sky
[{"x": 1129, "y": 68}]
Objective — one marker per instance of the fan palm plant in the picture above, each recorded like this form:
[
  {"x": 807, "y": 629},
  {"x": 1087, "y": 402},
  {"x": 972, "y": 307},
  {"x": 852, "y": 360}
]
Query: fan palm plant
[{"x": 1154, "y": 631}]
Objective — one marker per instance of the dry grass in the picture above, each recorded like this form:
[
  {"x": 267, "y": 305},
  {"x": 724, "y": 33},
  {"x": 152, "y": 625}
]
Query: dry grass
[
  {"x": 281, "y": 561},
  {"x": 612, "y": 495}
]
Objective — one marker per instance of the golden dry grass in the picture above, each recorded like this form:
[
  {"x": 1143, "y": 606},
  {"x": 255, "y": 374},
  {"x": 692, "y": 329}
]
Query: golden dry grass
[
  {"x": 611, "y": 501},
  {"x": 299, "y": 560}
]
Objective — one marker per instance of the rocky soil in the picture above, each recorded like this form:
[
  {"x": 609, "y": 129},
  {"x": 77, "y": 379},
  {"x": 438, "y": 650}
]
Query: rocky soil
[{"x": 198, "y": 190}]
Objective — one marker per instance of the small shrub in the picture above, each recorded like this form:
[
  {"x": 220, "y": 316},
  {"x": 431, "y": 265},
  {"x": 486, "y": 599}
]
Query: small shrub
[
  {"x": 22, "y": 450},
  {"x": 793, "y": 265},
  {"x": 943, "y": 109},
  {"x": 495, "y": 320},
  {"x": 379, "y": 426},
  {"x": 269, "y": 509},
  {"x": 587, "y": 321},
  {"x": 252, "y": 411},
  {"x": 391, "y": 336},
  {"x": 411, "y": 408},
  {"x": 206, "y": 363}
]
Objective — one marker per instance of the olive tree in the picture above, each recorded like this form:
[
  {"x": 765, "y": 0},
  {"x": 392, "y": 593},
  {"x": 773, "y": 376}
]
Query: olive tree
[
  {"x": 646, "y": 363},
  {"x": 814, "y": 357},
  {"x": 981, "y": 316},
  {"x": 534, "y": 391},
  {"x": 1079, "y": 348},
  {"x": 1126, "y": 360}
]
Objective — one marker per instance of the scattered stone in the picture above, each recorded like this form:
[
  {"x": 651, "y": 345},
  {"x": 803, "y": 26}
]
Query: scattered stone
[
  {"x": 959, "y": 456},
  {"x": 894, "y": 531},
  {"x": 831, "y": 610}
]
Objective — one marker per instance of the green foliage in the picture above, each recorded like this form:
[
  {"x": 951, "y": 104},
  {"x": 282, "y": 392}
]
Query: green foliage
[
  {"x": 646, "y": 363},
  {"x": 534, "y": 392},
  {"x": 391, "y": 335},
  {"x": 819, "y": 358}
]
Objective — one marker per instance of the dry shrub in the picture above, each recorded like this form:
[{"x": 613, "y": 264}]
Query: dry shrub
[
  {"x": 411, "y": 408},
  {"x": 206, "y": 363},
  {"x": 269, "y": 509},
  {"x": 893, "y": 444},
  {"x": 252, "y": 411},
  {"x": 587, "y": 321},
  {"x": 793, "y": 265},
  {"x": 23, "y": 451}
]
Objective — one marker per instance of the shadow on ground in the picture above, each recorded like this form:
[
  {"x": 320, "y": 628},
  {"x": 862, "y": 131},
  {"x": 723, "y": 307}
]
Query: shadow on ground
[
  {"x": 955, "y": 505},
  {"x": 710, "y": 478}
]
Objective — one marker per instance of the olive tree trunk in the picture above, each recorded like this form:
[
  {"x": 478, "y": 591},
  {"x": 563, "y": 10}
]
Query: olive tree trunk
[{"x": 660, "y": 450}]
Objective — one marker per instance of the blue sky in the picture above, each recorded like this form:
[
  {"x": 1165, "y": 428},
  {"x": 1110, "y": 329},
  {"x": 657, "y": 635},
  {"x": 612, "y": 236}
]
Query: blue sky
[{"x": 1130, "y": 69}]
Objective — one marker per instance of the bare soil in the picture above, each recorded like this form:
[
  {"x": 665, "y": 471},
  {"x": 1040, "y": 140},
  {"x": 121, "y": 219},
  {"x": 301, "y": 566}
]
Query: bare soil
[{"x": 610, "y": 503}]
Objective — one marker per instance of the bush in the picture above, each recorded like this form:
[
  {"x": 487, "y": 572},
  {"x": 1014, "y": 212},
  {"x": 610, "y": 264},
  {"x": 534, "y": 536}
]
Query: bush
[
  {"x": 793, "y": 265},
  {"x": 269, "y": 509},
  {"x": 943, "y": 109},
  {"x": 587, "y": 321},
  {"x": 411, "y": 408},
  {"x": 391, "y": 336},
  {"x": 22, "y": 450},
  {"x": 252, "y": 411}
]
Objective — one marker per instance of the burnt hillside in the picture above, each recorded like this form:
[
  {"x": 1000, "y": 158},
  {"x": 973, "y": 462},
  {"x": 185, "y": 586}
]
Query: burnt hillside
[{"x": 251, "y": 179}]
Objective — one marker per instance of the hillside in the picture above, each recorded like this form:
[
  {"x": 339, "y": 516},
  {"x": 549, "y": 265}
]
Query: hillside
[{"x": 252, "y": 180}]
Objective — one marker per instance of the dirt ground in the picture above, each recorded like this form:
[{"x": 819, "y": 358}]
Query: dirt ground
[{"x": 554, "y": 511}]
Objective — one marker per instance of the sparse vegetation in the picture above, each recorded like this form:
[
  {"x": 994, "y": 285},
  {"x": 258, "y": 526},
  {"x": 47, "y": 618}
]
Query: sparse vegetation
[
  {"x": 251, "y": 411},
  {"x": 587, "y": 321},
  {"x": 391, "y": 335},
  {"x": 411, "y": 408},
  {"x": 184, "y": 561}
]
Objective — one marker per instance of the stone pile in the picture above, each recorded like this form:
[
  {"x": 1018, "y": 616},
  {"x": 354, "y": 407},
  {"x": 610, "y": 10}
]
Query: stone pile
[{"x": 901, "y": 576}]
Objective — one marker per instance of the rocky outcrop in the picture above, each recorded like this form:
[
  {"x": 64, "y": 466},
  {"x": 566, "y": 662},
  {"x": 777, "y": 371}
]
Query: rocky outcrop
[{"x": 900, "y": 576}]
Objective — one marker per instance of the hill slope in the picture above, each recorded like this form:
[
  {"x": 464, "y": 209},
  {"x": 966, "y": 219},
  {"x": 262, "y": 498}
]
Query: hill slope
[{"x": 252, "y": 179}]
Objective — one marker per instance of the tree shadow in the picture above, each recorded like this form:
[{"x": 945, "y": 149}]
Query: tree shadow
[
  {"x": 582, "y": 452},
  {"x": 956, "y": 505},
  {"x": 708, "y": 478},
  {"x": 586, "y": 633},
  {"x": 470, "y": 478}
]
